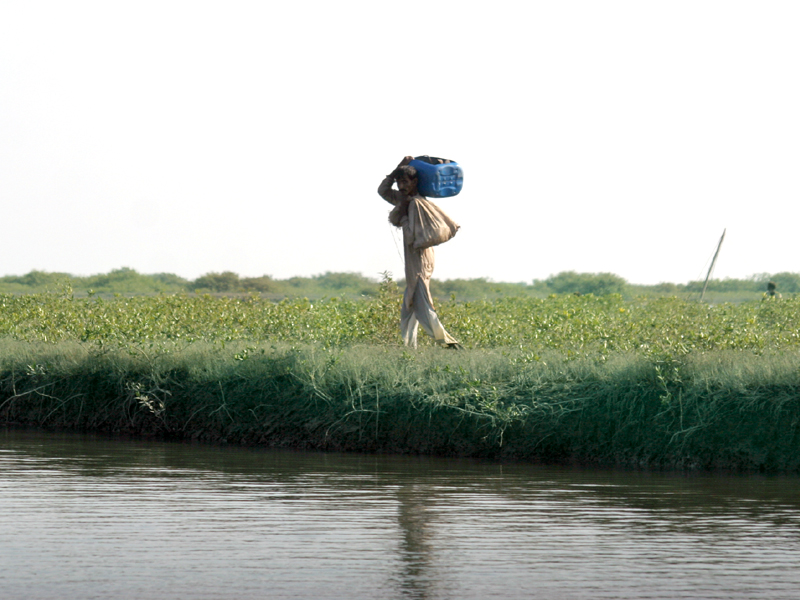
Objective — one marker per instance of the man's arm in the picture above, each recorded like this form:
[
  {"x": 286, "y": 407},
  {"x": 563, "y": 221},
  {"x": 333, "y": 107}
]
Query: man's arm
[{"x": 385, "y": 190}]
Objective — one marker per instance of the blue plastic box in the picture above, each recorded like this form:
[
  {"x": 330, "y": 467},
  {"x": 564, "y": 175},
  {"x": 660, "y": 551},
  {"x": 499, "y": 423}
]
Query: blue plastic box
[{"x": 436, "y": 178}]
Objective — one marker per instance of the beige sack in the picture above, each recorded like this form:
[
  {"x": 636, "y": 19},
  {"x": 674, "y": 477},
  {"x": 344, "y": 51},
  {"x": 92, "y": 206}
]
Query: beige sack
[{"x": 429, "y": 224}]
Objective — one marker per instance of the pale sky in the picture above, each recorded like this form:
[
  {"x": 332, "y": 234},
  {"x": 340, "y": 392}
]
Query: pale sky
[{"x": 595, "y": 136}]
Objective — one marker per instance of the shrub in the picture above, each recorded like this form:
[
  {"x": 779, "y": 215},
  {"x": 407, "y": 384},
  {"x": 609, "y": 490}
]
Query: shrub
[{"x": 599, "y": 284}]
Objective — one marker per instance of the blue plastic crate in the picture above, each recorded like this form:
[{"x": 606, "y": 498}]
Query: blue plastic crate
[{"x": 438, "y": 179}]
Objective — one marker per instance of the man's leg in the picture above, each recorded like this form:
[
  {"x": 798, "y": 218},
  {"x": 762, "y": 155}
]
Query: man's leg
[
  {"x": 427, "y": 317},
  {"x": 408, "y": 321}
]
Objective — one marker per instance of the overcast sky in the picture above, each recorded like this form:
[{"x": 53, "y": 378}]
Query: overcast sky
[{"x": 595, "y": 136}]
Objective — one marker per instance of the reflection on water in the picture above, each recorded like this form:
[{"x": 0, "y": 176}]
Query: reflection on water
[{"x": 88, "y": 517}]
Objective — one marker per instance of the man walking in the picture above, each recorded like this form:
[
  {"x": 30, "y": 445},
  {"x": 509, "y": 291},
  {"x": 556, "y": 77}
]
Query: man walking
[{"x": 424, "y": 225}]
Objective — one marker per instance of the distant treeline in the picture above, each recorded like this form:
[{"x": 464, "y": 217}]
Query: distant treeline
[{"x": 129, "y": 282}]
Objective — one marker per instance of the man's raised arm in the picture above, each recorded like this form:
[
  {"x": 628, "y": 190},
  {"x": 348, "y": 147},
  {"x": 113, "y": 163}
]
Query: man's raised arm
[{"x": 385, "y": 190}]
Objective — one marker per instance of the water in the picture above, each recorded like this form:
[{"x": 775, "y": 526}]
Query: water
[{"x": 87, "y": 517}]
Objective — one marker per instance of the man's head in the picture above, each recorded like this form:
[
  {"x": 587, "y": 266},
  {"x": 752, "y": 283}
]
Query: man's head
[{"x": 406, "y": 178}]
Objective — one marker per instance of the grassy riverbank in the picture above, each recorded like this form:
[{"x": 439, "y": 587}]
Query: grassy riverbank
[{"x": 665, "y": 384}]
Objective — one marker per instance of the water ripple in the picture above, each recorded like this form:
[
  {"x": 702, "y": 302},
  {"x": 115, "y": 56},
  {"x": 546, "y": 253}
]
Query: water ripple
[{"x": 87, "y": 517}]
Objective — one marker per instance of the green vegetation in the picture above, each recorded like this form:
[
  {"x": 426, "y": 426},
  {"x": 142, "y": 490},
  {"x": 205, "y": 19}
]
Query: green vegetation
[
  {"x": 599, "y": 284},
  {"x": 128, "y": 282},
  {"x": 705, "y": 412},
  {"x": 353, "y": 285},
  {"x": 659, "y": 382}
]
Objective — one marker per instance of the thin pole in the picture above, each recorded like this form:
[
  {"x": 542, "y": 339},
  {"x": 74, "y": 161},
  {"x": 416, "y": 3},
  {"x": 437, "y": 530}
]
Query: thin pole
[{"x": 713, "y": 261}]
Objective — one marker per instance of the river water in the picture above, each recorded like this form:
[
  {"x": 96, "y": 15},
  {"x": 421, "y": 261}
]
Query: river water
[{"x": 85, "y": 517}]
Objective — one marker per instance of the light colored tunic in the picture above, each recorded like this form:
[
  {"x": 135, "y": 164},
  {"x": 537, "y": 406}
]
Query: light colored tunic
[{"x": 417, "y": 301}]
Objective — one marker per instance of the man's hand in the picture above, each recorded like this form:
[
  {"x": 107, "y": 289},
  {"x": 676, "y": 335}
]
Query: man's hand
[{"x": 405, "y": 161}]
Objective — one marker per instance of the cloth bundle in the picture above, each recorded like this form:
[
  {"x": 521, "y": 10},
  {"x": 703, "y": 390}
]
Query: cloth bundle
[{"x": 429, "y": 224}]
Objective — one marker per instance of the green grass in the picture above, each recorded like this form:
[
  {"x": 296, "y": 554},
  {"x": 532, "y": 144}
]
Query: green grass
[
  {"x": 660, "y": 383},
  {"x": 585, "y": 326},
  {"x": 726, "y": 410}
]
